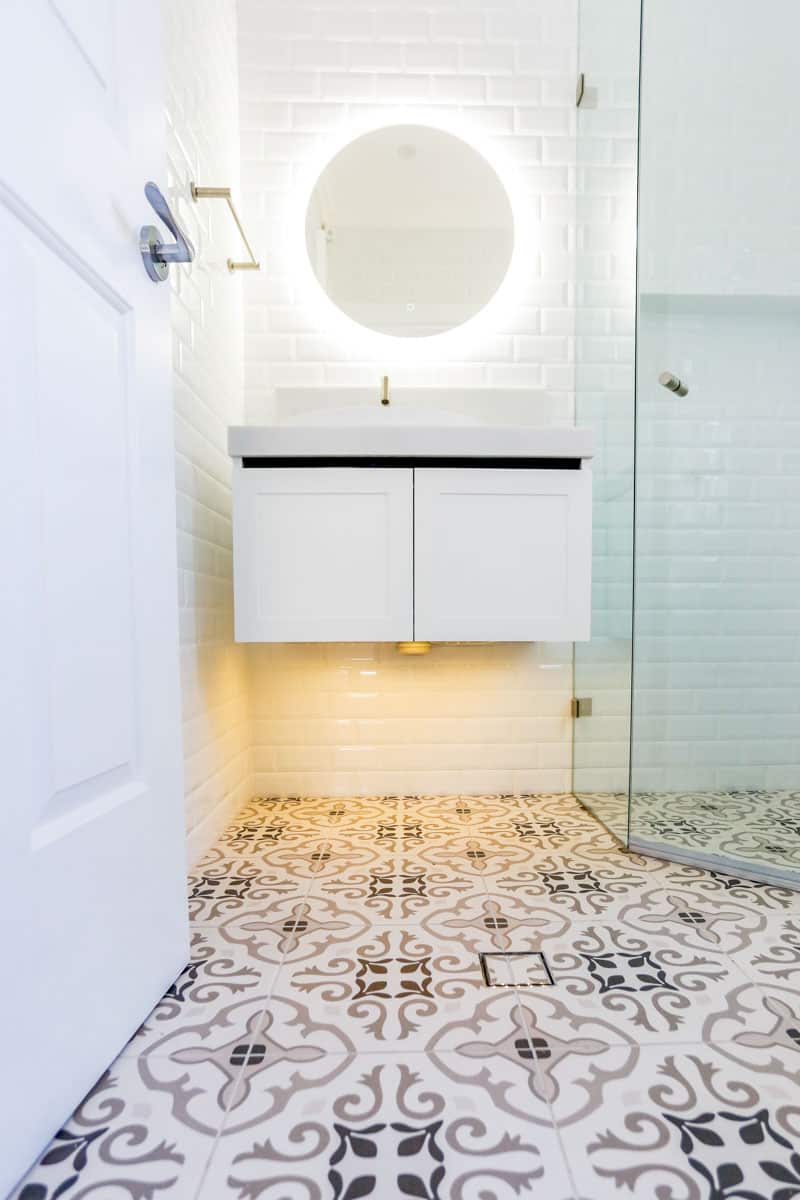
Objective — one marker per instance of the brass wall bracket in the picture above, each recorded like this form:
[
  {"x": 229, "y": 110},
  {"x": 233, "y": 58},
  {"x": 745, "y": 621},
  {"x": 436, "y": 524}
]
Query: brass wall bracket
[{"x": 222, "y": 193}]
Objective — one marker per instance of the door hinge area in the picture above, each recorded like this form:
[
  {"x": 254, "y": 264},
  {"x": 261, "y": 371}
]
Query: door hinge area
[
  {"x": 580, "y": 88},
  {"x": 581, "y": 706}
]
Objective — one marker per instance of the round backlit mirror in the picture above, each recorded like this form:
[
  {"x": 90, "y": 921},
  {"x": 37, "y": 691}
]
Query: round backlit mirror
[{"x": 409, "y": 231}]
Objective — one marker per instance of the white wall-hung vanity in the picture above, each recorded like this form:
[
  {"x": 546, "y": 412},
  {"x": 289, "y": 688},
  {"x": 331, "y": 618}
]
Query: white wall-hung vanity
[{"x": 400, "y": 533}]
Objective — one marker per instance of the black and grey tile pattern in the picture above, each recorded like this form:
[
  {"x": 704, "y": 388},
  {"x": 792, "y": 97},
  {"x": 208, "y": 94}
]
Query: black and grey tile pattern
[
  {"x": 334, "y": 1035},
  {"x": 752, "y": 828}
]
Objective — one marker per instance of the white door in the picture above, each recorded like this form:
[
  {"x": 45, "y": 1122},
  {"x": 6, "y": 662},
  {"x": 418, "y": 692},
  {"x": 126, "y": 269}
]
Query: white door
[
  {"x": 91, "y": 853},
  {"x": 502, "y": 555},
  {"x": 323, "y": 554}
]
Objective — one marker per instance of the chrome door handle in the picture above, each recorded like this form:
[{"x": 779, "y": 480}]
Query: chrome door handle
[
  {"x": 673, "y": 384},
  {"x": 155, "y": 255}
]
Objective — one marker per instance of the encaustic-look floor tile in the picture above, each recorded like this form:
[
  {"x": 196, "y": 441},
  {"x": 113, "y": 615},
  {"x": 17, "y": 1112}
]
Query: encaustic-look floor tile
[
  {"x": 775, "y": 957},
  {"x": 389, "y": 989},
  {"x": 396, "y": 887},
  {"x": 689, "y": 1124},
  {"x": 225, "y": 1070},
  {"x": 334, "y": 1037},
  {"x": 647, "y": 989},
  {"x": 123, "y": 1142},
  {"x": 573, "y": 886},
  {"x": 391, "y": 1126},
  {"x": 487, "y": 921},
  {"x": 222, "y": 884},
  {"x": 216, "y": 974}
]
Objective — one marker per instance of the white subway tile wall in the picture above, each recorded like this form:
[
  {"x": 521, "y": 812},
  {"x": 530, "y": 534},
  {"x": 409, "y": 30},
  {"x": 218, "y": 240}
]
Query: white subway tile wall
[
  {"x": 203, "y": 145},
  {"x": 362, "y": 719},
  {"x": 465, "y": 718},
  {"x": 717, "y": 667},
  {"x": 717, "y": 657},
  {"x": 505, "y": 75}
]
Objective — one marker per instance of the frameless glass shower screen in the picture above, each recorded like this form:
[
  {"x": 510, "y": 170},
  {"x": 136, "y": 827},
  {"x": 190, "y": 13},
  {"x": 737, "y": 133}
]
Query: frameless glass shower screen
[
  {"x": 605, "y": 350},
  {"x": 716, "y": 711}
]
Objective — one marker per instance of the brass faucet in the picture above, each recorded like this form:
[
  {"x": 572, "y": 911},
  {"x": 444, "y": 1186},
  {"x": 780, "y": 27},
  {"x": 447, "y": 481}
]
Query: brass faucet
[{"x": 385, "y": 395}]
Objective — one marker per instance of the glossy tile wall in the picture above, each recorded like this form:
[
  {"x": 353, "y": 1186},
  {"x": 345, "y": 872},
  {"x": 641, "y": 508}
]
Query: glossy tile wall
[
  {"x": 202, "y": 123},
  {"x": 364, "y": 720},
  {"x": 504, "y": 75},
  {"x": 468, "y": 718}
]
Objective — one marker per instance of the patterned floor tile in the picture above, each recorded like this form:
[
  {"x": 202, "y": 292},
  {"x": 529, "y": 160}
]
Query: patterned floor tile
[
  {"x": 123, "y": 1141},
  {"x": 775, "y": 958},
  {"x": 689, "y": 1124},
  {"x": 474, "y": 854},
  {"x": 391, "y": 1126},
  {"x": 463, "y": 813},
  {"x": 223, "y": 885},
  {"x": 700, "y": 915},
  {"x": 642, "y": 989},
  {"x": 334, "y": 1035},
  {"x": 291, "y": 929},
  {"x": 210, "y": 1069},
  {"x": 396, "y": 886},
  {"x": 760, "y": 1030},
  {"x": 489, "y": 921},
  {"x": 573, "y": 886},
  {"x": 256, "y": 836},
  {"x": 340, "y": 814},
  {"x": 389, "y": 989},
  {"x": 218, "y": 972},
  {"x": 745, "y": 826}
]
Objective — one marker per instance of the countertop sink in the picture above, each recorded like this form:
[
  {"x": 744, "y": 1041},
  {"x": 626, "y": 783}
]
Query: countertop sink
[{"x": 403, "y": 432}]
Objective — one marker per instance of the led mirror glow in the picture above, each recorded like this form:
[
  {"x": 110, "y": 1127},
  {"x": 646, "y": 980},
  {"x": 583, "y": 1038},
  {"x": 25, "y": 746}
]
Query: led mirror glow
[{"x": 409, "y": 231}]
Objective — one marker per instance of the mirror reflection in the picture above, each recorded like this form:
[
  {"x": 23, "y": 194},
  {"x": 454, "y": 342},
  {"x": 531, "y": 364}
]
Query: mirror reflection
[{"x": 409, "y": 231}]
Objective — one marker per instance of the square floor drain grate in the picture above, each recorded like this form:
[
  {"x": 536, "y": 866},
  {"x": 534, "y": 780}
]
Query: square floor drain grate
[{"x": 515, "y": 968}]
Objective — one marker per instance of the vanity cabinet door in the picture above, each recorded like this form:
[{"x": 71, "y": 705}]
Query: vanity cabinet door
[
  {"x": 502, "y": 555},
  {"x": 323, "y": 554}
]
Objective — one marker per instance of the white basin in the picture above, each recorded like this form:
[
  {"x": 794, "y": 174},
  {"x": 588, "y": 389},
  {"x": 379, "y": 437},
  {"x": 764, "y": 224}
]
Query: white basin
[
  {"x": 410, "y": 434},
  {"x": 418, "y": 423},
  {"x": 377, "y": 416}
]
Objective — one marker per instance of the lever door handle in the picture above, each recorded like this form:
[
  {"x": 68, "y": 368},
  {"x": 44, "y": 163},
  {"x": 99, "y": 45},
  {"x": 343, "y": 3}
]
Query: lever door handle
[{"x": 155, "y": 255}]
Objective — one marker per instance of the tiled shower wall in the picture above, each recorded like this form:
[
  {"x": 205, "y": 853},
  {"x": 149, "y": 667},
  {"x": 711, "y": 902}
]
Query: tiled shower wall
[
  {"x": 202, "y": 118},
  {"x": 717, "y": 658},
  {"x": 362, "y": 719}
]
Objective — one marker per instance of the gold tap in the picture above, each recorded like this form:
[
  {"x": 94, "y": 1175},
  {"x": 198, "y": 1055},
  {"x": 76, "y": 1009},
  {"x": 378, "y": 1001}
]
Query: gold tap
[{"x": 385, "y": 395}]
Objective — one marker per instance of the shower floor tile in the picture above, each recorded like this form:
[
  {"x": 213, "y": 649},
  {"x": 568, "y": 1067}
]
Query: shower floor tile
[
  {"x": 758, "y": 828},
  {"x": 334, "y": 1035}
]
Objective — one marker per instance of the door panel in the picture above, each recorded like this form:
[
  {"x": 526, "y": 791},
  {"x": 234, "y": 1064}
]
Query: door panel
[
  {"x": 92, "y": 855},
  {"x": 323, "y": 554},
  {"x": 502, "y": 555},
  {"x": 86, "y": 609}
]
